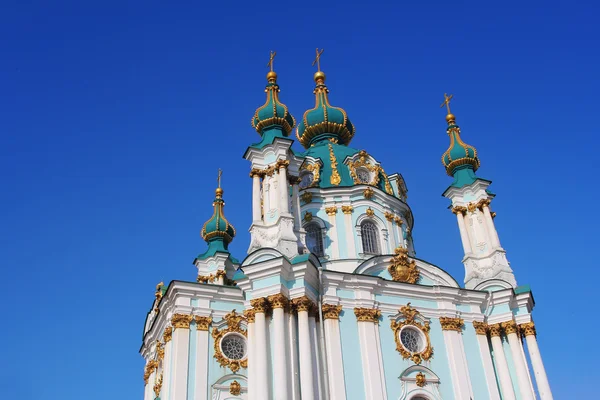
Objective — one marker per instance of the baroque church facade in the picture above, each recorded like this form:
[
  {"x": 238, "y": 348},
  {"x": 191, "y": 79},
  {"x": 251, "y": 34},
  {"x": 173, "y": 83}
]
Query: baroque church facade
[{"x": 331, "y": 302}]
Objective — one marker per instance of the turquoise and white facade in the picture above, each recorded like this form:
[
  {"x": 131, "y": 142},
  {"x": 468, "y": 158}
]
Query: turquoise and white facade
[{"x": 331, "y": 302}]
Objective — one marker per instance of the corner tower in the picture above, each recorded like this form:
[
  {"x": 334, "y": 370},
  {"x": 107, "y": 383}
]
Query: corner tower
[{"x": 486, "y": 266}]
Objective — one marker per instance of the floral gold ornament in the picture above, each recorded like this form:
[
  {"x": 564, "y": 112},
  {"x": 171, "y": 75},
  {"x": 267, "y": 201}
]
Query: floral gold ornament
[
  {"x": 408, "y": 318},
  {"x": 398, "y": 221},
  {"x": 368, "y": 193},
  {"x": 420, "y": 379},
  {"x": 233, "y": 320},
  {"x": 370, "y": 212},
  {"x": 367, "y": 314},
  {"x": 481, "y": 328},
  {"x": 149, "y": 369},
  {"x": 278, "y": 301},
  {"x": 260, "y": 305},
  {"x": 471, "y": 207},
  {"x": 528, "y": 329},
  {"x": 331, "y": 210},
  {"x": 181, "y": 321},
  {"x": 202, "y": 323},
  {"x": 331, "y": 312},
  {"x": 335, "y": 175},
  {"x": 509, "y": 327},
  {"x": 306, "y": 197},
  {"x": 347, "y": 209},
  {"x": 158, "y": 385},
  {"x": 401, "y": 268},
  {"x": 452, "y": 324},
  {"x": 388, "y": 187},
  {"x": 389, "y": 216},
  {"x": 235, "y": 388},
  {"x": 168, "y": 334},
  {"x": 160, "y": 350},
  {"x": 303, "y": 304},
  {"x": 308, "y": 216},
  {"x": 459, "y": 209}
]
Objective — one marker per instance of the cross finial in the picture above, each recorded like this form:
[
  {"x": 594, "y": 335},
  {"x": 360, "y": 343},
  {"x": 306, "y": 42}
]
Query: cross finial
[
  {"x": 219, "y": 177},
  {"x": 447, "y": 102},
  {"x": 318, "y": 60},
  {"x": 270, "y": 63}
]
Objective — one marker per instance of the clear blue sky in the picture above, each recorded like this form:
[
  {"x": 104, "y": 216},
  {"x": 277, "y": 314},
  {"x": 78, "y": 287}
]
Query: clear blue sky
[{"x": 114, "y": 117}]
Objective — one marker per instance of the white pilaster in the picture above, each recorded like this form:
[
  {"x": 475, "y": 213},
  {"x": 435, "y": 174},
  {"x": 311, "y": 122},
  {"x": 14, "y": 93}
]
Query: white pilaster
[
  {"x": 491, "y": 227},
  {"x": 201, "y": 363},
  {"x": 167, "y": 365},
  {"x": 370, "y": 353},
  {"x": 307, "y": 382},
  {"x": 464, "y": 237},
  {"x": 251, "y": 358},
  {"x": 284, "y": 198},
  {"x": 521, "y": 369},
  {"x": 535, "y": 357},
  {"x": 280, "y": 366},
  {"x": 256, "y": 212},
  {"x": 316, "y": 355},
  {"x": 293, "y": 357},
  {"x": 349, "y": 229},
  {"x": 335, "y": 366},
  {"x": 296, "y": 205},
  {"x": 455, "y": 349},
  {"x": 332, "y": 234},
  {"x": 149, "y": 388},
  {"x": 262, "y": 388},
  {"x": 179, "y": 375},
  {"x": 390, "y": 228},
  {"x": 501, "y": 364},
  {"x": 486, "y": 360}
]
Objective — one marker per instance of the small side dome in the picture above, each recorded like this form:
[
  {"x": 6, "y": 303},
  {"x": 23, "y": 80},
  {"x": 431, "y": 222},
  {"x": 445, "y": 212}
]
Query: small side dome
[
  {"x": 324, "y": 121},
  {"x": 273, "y": 112},
  {"x": 217, "y": 227},
  {"x": 459, "y": 153}
]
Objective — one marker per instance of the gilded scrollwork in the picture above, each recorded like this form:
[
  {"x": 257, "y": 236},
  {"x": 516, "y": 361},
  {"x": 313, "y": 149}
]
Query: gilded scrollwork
[
  {"x": 367, "y": 314},
  {"x": 168, "y": 334},
  {"x": 250, "y": 315},
  {"x": 315, "y": 170},
  {"x": 233, "y": 320},
  {"x": 409, "y": 315},
  {"x": 160, "y": 350},
  {"x": 452, "y": 324},
  {"x": 202, "y": 323},
  {"x": 402, "y": 268},
  {"x": 368, "y": 193},
  {"x": 158, "y": 385},
  {"x": 362, "y": 162},
  {"x": 151, "y": 366},
  {"x": 335, "y": 175}
]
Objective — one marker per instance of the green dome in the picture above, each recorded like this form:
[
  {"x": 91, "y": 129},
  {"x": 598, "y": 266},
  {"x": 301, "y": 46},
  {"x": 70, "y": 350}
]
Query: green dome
[
  {"x": 324, "y": 121},
  {"x": 217, "y": 227},
  {"x": 459, "y": 153},
  {"x": 273, "y": 112}
]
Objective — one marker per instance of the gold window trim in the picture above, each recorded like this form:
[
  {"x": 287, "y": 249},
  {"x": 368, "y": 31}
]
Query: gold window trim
[
  {"x": 408, "y": 319},
  {"x": 233, "y": 325}
]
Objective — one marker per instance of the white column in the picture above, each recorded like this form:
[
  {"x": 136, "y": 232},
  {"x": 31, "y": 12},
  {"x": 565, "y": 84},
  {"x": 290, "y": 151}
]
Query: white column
[
  {"x": 491, "y": 227},
  {"x": 332, "y": 234},
  {"x": 510, "y": 328},
  {"x": 501, "y": 363},
  {"x": 293, "y": 357},
  {"x": 452, "y": 331},
  {"x": 201, "y": 363},
  {"x": 284, "y": 198},
  {"x": 307, "y": 383},
  {"x": 335, "y": 367},
  {"x": 316, "y": 361},
  {"x": 464, "y": 237},
  {"x": 167, "y": 364},
  {"x": 371, "y": 359},
  {"x": 535, "y": 357},
  {"x": 280, "y": 367},
  {"x": 256, "y": 214},
  {"x": 249, "y": 314},
  {"x": 266, "y": 195},
  {"x": 262, "y": 387},
  {"x": 181, "y": 348},
  {"x": 481, "y": 330}
]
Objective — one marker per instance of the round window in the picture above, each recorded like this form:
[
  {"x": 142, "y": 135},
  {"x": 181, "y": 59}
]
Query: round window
[
  {"x": 306, "y": 180},
  {"x": 233, "y": 346},
  {"x": 412, "y": 339},
  {"x": 363, "y": 176}
]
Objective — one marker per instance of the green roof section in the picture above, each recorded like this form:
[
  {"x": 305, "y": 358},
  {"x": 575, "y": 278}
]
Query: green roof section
[
  {"x": 522, "y": 289},
  {"x": 273, "y": 113}
]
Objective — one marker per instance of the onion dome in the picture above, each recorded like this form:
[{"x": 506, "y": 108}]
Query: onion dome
[
  {"x": 459, "y": 155},
  {"x": 273, "y": 113},
  {"x": 217, "y": 228},
  {"x": 324, "y": 121}
]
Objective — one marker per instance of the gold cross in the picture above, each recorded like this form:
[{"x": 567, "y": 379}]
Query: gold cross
[
  {"x": 219, "y": 177},
  {"x": 447, "y": 102},
  {"x": 270, "y": 63},
  {"x": 318, "y": 59}
]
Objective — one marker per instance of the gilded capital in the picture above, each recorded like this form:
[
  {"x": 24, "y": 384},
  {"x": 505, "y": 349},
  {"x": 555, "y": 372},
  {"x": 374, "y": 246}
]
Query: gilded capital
[
  {"x": 282, "y": 163},
  {"x": 331, "y": 210},
  {"x": 509, "y": 327},
  {"x": 278, "y": 301},
  {"x": 260, "y": 305},
  {"x": 181, "y": 321},
  {"x": 452, "y": 324},
  {"x": 495, "y": 330},
  {"x": 481, "y": 328},
  {"x": 168, "y": 334},
  {"x": 249, "y": 314},
  {"x": 331, "y": 312},
  {"x": 347, "y": 209},
  {"x": 528, "y": 329},
  {"x": 389, "y": 216},
  {"x": 367, "y": 314},
  {"x": 303, "y": 303},
  {"x": 459, "y": 209},
  {"x": 202, "y": 323},
  {"x": 483, "y": 203}
]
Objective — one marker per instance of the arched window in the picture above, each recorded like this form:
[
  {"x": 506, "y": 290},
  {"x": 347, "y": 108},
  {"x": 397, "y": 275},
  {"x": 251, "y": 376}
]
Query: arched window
[
  {"x": 314, "y": 239},
  {"x": 370, "y": 237}
]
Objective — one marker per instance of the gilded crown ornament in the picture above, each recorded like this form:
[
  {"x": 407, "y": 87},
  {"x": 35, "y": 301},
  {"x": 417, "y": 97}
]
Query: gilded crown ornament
[{"x": 403, "y": 269}]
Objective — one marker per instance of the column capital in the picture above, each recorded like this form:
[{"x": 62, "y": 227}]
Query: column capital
[
  {"x": 331, "y": 210},
  {"x": 202, "y": 323},
  {"x": 278, "y": 301},
  {"x": 347, "y": 209},
  {"x": 452, "y": 324},
  {"x": 459, "y": 209},
  {"x": 367, "y": 314},
  {"x": 481, "y": 328},
  {"x": 510, "y": 327},
  {"x": 181, "y": 321},
  {"x": 250, "y": 314},
  {"x": 168, "y": 334},
  {"x": 255, "y": 172},
  {"x": 398, "y": 221},
  {"x": 495, "y": 330},
  {"x": 483, "y": 203},
  {"x": 260, "y": 305},
  {"x": 282, "y": 163},
  {"x": 528, "y": 329},
  {"x": 389, "y": 216},
  {"x": 331, "y": 312},
  {"x": 303, "y": 303},
  {"x": 293, "y": 179}
]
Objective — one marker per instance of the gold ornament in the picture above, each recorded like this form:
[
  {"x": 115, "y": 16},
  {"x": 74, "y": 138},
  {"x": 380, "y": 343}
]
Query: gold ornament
[
  {"x": 158, "y": 385},
  {"x": 335, "y": 175},
  {"x": 481, "y": 328},
  {"x": 389, "y": 216},
  {"x": 495, "y": 330},
  {"x": 303, "y": 304},
  {"x": 306, "y": 197},
  {"x": 398, "y": 221},
  {"x": 315, "y": 170},
  {"x": 160, "y": 350},
  {"x": 331, "y": 210},
  {"x": 233, "y": 325},
  {"x": 420, "y": 379},
  {"x": 363, "y": 163},
  {"x": 509, "y": 327},
  {"x": 260, "y": 305},
  {"x": 528, "y": 329},
  {"x": 202, "y": 323},
  {"x": 408, "y": 318},
  {"x": 308, "y": 216},
  {"x": 235, "y": 388},
  {"x": 402, "y": 268},
  {"x": 370, "y": 212},
  {"x": 181, "y": 321},
  {"x": 278, "y": 301},
  {"x": 367, "y": 314},
  {"x": 250, "y": 315},
  {"x": 452, "y": 324},
  {"x": 149, "y": 369},
  {"x": 459, "y": 209},
  {"x": 471, "y": 207},
  {"x": 347, "y": 209},
  {"x": 388, "y": 187},
  {"x": 331, "y": 312},
  {"x": 368, "y": 193},
  {"x": 168, "y": 334}
]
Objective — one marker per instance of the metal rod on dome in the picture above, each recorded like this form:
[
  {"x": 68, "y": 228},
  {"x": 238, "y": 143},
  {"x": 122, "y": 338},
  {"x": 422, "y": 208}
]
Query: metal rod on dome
[
  {"x": 318, "y": 59},
  {"x": 447, "y": 102},
  {"x": 219, "y": 178},
  {"x": 272, "y": 57}
]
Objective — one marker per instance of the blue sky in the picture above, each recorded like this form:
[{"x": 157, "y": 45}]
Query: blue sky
[{"x": 114, "y": 117}]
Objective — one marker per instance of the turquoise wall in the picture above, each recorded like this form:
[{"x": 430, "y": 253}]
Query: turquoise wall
[
  {"x": 439, "y": 362},
  {"x": 353, "y": 375},
  {"x": 393, "y": 363},
  {"x": 474, "y": 362}
]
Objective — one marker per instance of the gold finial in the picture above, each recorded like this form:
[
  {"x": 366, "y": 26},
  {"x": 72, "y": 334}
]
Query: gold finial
[
  {"x": 219, "y": 191},
  {"x": 319, "y": 75},
  {"x": 271, "y": 75},
  {"x": 450, "y": 117}
]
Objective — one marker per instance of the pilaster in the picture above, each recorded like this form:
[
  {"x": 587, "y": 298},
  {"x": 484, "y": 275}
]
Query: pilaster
[
  {"x": 481, "y": 330},
  {"x": 181, "y": 344},
  {"x": 201, "y": 362},
  {"x": 452, "y": 331},
  {"x": 335, "y": 366},
  {"x": 368, "y": 332}
]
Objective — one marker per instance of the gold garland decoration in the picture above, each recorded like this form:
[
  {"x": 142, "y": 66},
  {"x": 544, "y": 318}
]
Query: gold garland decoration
[
  {"x": 409, "y": 315},
  {"x": 233, "y": 325},
  {"x": 335, "y": 175}
]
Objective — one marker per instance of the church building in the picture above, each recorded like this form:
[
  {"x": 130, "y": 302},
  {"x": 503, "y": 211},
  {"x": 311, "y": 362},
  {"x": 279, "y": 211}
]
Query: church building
[{"x": 330, "y": 301}]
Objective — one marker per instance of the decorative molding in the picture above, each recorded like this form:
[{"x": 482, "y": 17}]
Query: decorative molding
[
  {"x": 363, "y": 163},
  {"x": 481, "y": 328},
  {"x": 278, "y": 301},
  {"x": 235, "y": 388},
  {"x": 368, "y": 193},
  {"x": 510, "y": 327},
  {"x": 347, "y": 209},
  {"x": 331, "y": 210},
  {"x": 367, "y": 314},
  {"x": 250, "y": 315},
  {"x": 408, "y": 318},
  {"x": 202, "y": 323},
  {"x": 402, "y": 268},
  {"x": 452, "y": 324},
  {"x": 528, "y": 329},
  {"x": 420, "y": 379},
  {"x": 168, "y": 334},
  {"x": 233, "y": 320},
  {"x": 211, "y": 277},
  {"x": 495, "y": 330},
  {"x": 331, "y": 312},
  {"x": 260, "y": 305},
  {"x": 181, "y": 321},
  {"x": 303, "y": 304}
]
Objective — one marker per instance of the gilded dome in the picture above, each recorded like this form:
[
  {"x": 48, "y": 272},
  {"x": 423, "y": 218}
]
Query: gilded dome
[
  {"x": 459, "y": 153},
  {"x": 217, "y": 227},
  {"x": 273, "y": 112}
]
